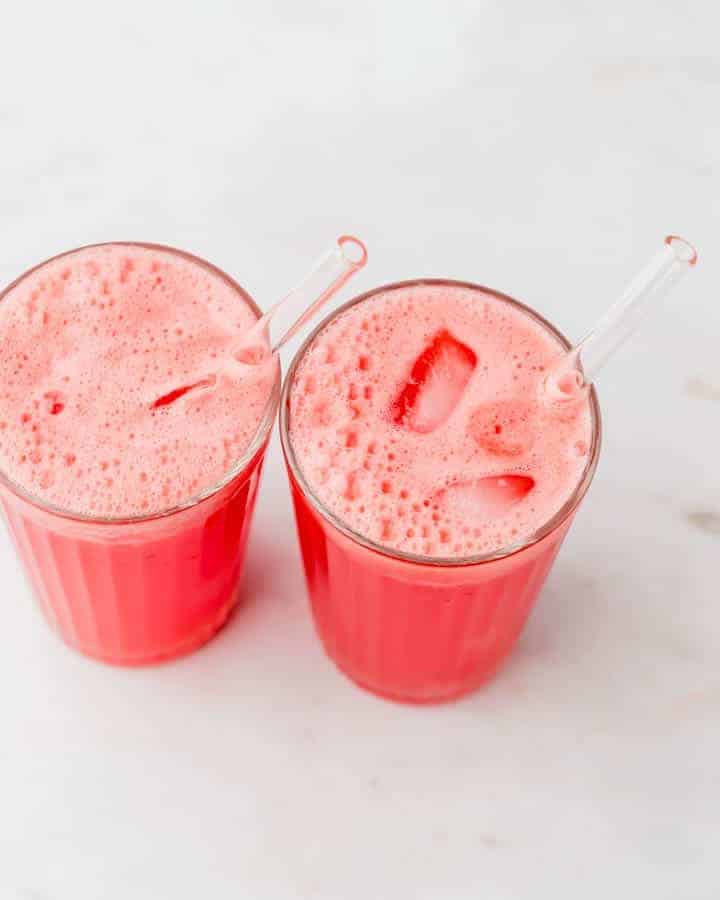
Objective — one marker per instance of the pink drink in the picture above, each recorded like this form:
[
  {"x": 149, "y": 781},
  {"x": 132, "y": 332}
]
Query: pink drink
[
  {"x": 131, "y": 445},
  {"x": 432, "y": 484}
]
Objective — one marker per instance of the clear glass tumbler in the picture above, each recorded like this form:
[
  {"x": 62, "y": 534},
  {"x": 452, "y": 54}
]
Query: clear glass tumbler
[
  {"x": 142, "y": 589},
  {"x": 410, "y": 627}
]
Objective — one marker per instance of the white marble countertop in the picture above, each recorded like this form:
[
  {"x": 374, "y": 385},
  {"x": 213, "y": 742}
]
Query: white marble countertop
[{"x": 540, "y": 149}]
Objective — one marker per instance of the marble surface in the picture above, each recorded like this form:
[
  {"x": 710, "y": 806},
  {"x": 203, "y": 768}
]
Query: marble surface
[{"x": 543, "y": 149}]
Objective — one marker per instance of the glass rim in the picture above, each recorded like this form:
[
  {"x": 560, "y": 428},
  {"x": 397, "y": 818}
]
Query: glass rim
[
  {"x": 261, "y": 434},
  {"x": 555, "y": 521}
]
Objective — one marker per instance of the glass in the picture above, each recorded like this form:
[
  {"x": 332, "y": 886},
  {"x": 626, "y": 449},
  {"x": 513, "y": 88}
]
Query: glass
[
  {"x": 410, "y": 627},
  {"x": 145, "y": 588}
]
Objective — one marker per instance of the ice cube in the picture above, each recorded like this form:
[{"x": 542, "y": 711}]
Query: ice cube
[
  {"x": 176, "y": 393},
  {"x": 484, "y": 498},
  {"x": 436, "y": 383},
  {"x": 504, "y": 428}
]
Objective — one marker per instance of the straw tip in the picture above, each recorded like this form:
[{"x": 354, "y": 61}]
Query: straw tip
[
  {"x": 683, "y": 250},
  {"x": 564, "y": 385},
  {"x": 353, "y": 250}
]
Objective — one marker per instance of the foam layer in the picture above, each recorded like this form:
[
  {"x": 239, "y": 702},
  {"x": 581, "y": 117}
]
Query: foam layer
[
  {"x": 119, "y": 392},
  {"x": 415, "y": 418}
]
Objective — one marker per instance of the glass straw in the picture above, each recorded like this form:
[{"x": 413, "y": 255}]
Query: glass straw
[
  {"x": 579, "y": 367},
  {"x": 329, "y": 274}
]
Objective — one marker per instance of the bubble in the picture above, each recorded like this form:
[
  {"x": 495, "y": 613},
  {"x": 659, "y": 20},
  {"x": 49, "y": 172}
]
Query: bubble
[
  {"x": 322, "y": 415},
  {"x": 54, "y": 402},
  {"x": 352, "y": 489}
]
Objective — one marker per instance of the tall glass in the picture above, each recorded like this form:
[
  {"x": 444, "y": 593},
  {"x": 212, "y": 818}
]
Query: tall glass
[
  {"x": 145, "y": 588},
  {"x": 410, "y": 627}
]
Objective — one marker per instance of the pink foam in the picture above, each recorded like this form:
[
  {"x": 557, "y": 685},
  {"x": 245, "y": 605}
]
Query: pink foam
[
  {"x": 415, "y": 418},
  {"x": 119, "y": 394}
]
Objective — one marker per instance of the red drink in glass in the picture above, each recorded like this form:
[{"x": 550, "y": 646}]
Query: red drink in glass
[
  {"x": 417, "y": 600},
  {"x": 130, "y": 517}
]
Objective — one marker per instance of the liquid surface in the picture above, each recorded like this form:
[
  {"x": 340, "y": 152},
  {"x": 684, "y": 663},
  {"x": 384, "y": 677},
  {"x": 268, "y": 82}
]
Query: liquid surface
[
  {"x": 415, "y": 417},
  {"x": 119, "y": 391}
]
